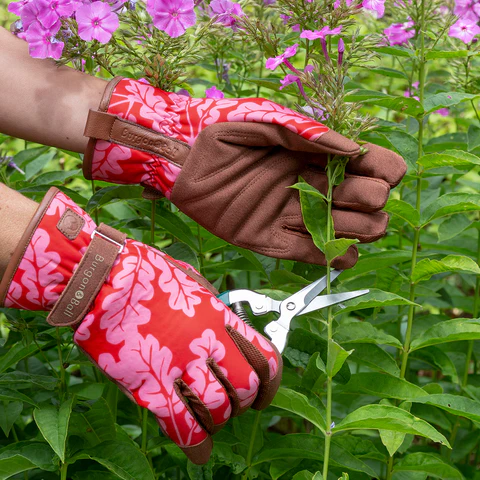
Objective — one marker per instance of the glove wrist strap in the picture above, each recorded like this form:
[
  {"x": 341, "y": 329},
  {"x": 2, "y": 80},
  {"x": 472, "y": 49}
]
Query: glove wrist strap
[{"x": 89, "y": 277}]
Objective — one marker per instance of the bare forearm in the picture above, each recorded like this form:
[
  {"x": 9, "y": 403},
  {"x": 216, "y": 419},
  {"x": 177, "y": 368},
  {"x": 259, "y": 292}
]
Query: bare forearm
[
  {"x": 41, "y": 102},
  {"x": 16, "y": 211}
]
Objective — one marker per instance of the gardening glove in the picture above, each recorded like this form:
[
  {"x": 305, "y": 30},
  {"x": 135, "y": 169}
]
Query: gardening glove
[
  {"x": 152, "y": 324},
  {"x": 228, "y": 164}
]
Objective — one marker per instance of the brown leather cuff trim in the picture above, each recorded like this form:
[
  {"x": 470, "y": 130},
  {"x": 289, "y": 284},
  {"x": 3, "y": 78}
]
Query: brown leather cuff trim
[
  {"x": 24, "y": 242},
  {"x": 89, "y": 277},
  {"x": 103, "y": 107}
]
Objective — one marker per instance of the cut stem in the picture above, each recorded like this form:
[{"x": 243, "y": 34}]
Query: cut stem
[{"x": 256, "y": 422}]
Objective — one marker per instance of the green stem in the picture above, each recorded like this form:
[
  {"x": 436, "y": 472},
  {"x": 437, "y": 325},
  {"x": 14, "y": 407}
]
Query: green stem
[
  {"x": 63, "y": 386},
  {"x": 200, "y": 248},
  {"x": 389, "y": 468},
  {"x": 63, "y": 471},
  {"x": 152, "y": 226},
  {"x": 252, "y": 442},
  {"x": 95, "y": 211},
  {"x": 144, "y": 430},
  {"x": 330, "y": 235}
]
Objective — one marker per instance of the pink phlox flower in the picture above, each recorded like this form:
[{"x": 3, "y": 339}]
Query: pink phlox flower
[
  {"x": 42, "y": 42},
  {"x": 467, "y": 9},
  {"x": 29, "y": 15},
  {"x": 464, "y": 29},
  {"x": 96, "y": 21},
  {"x": 318, "y": 113},
  {"x": 17, "y": 7},
  {"x": 409, "y": 94},
  {"x": 172, "y": 16},
  {"x": 184, "y": 92},
  {"x": 308, "y": 69},
  {"x": 226, "y": 11},
  {"x": 268, "y": 2},
  {"x": 400, "y": 33},
  {"x": 377, "y": 6},
  {"x": 313, "y": 35},
  {"x": 285, "y": 18},
  {"x": 274, "y": 62},
  {"x": 296, "y": 28},
  {"x": 50, "y": 11},
  {"x": 444, "y": 112},
  {"x": 339, "y": 2},
  {"x": 288, "y": 80},
  {"x": 214, "y": 92}
]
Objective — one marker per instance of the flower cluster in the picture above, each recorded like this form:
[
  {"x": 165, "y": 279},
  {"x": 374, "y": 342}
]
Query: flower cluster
[{"x": 466, "y": 27}]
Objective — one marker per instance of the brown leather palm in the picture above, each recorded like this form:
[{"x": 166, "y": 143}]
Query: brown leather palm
[{"x": 235, "y": 182}]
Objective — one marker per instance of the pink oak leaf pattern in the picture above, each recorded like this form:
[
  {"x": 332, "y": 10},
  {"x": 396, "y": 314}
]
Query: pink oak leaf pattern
[
  {"x": 145, "y": 369},
  {"x": 131, "y": 284},
  {"x": 247, "y": 395},
  {"x": 181, "y": 288},
  {"x": 204, "y": 383},
  {"x": 107, "y": 159},
  {"x": 40, "y": 279}
]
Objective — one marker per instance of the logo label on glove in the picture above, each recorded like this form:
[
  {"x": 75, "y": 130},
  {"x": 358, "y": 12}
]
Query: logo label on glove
[
  {"x": 84, "y": 280},
  {"x": 152, "y": 142}
]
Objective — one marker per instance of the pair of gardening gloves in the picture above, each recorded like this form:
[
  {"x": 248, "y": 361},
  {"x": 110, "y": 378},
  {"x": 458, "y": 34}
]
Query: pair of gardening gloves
[{"x": 151, "y": 323}]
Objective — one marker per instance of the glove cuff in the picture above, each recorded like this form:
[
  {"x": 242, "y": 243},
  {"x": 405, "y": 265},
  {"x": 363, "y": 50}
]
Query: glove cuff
[{"x": 61, "y": 262}]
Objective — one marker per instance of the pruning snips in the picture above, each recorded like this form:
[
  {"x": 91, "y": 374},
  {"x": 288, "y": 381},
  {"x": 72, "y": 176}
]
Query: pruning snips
[{"x": 307, "y": 300}]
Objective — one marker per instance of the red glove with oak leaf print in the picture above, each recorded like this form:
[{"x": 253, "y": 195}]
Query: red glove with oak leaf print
[
  {"x": 152, "y": 324},
  {"x": 228, "y": 163}
]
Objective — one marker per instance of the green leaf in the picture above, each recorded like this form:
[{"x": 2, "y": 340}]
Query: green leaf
[
  {"x": 376, "y": 298},
  {"x": 428, "y": 463},
  {"x": 200, "y": 472},
  {"x": 121, "y": 458},
  {"x": 450, "y": 204},
  {"x": 9, "y": 414},
  {"x": 445, "y": 100},
  {"x": 448, "y": 331},
  {"x": 403, "y": 210},
  {"x": 225, "y": 455},
  {"x": 364, "y": 332},
  {"x": 23, "y": 456},
  {"x": 53, "y": 424},
  {"x": 52, "y": 178},
  {"x": 473, "y": 137},
  {"x": 310, "y": 447},
  {"x": 395, "y": 51},
  {"x": 19, "y": 380},
  {"x": 447, "y": 54},
  {"x": 427, "y": 267},
  {"x": 454, "y": 404},
  {"x": 374, "y": 357},
  {"x": 94, "y": 425},
  {"x": 303, "y": 475},
  {"x": 296, "y": 402},
  {"x": 336, "y": 357},
  {"x": 15, "y": 354},
  {"x": 439, "y": 359},
  {"x": 405, "y": 144},
  {"x": 384, "y": 417},
  {"x": 406, "y": 105},
  {"x": 36, "y": 165},
  {"x": 183, "y": 252},
  {"x": 169, "y": 221},
  {"x": 115, "y": 193},
  {"x": 449, "y": 158},
  {"x": 381, "y": 385},
  {"x": 338, "y": 247},
  {"x": 388, "y": 72},
  {"x": 8, "y": 394},
  {"x": 453, "y": 226},
  {"x": 315, "y": 212},
  {"x": 391, "y": 439},
  {"x": 24, "y": 157}
]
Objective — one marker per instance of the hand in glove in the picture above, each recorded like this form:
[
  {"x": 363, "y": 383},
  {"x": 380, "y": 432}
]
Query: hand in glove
[
  {"x": 152, "y": 324},
  {"x": 228, "y": 164}
]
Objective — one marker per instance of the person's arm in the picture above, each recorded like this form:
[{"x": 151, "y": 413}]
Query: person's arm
[
  {"x": 41, "y": 102},
  {"x": 16, "y": 211}
]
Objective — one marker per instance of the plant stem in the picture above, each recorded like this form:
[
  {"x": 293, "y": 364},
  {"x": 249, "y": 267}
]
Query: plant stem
[
  {"x": 63, "y": 471},
  {"x": 95, "y": 212},
  {"x": 152, "y": 226},
  {"x": 144, "y": 430},
  {"x": 63, "y": 386},
  {"x": 329, "y": 236},
  {"x": 200, "y": 248},
  {"x": 416, "y": 236},
  {"x": 258, "y": 414}
]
